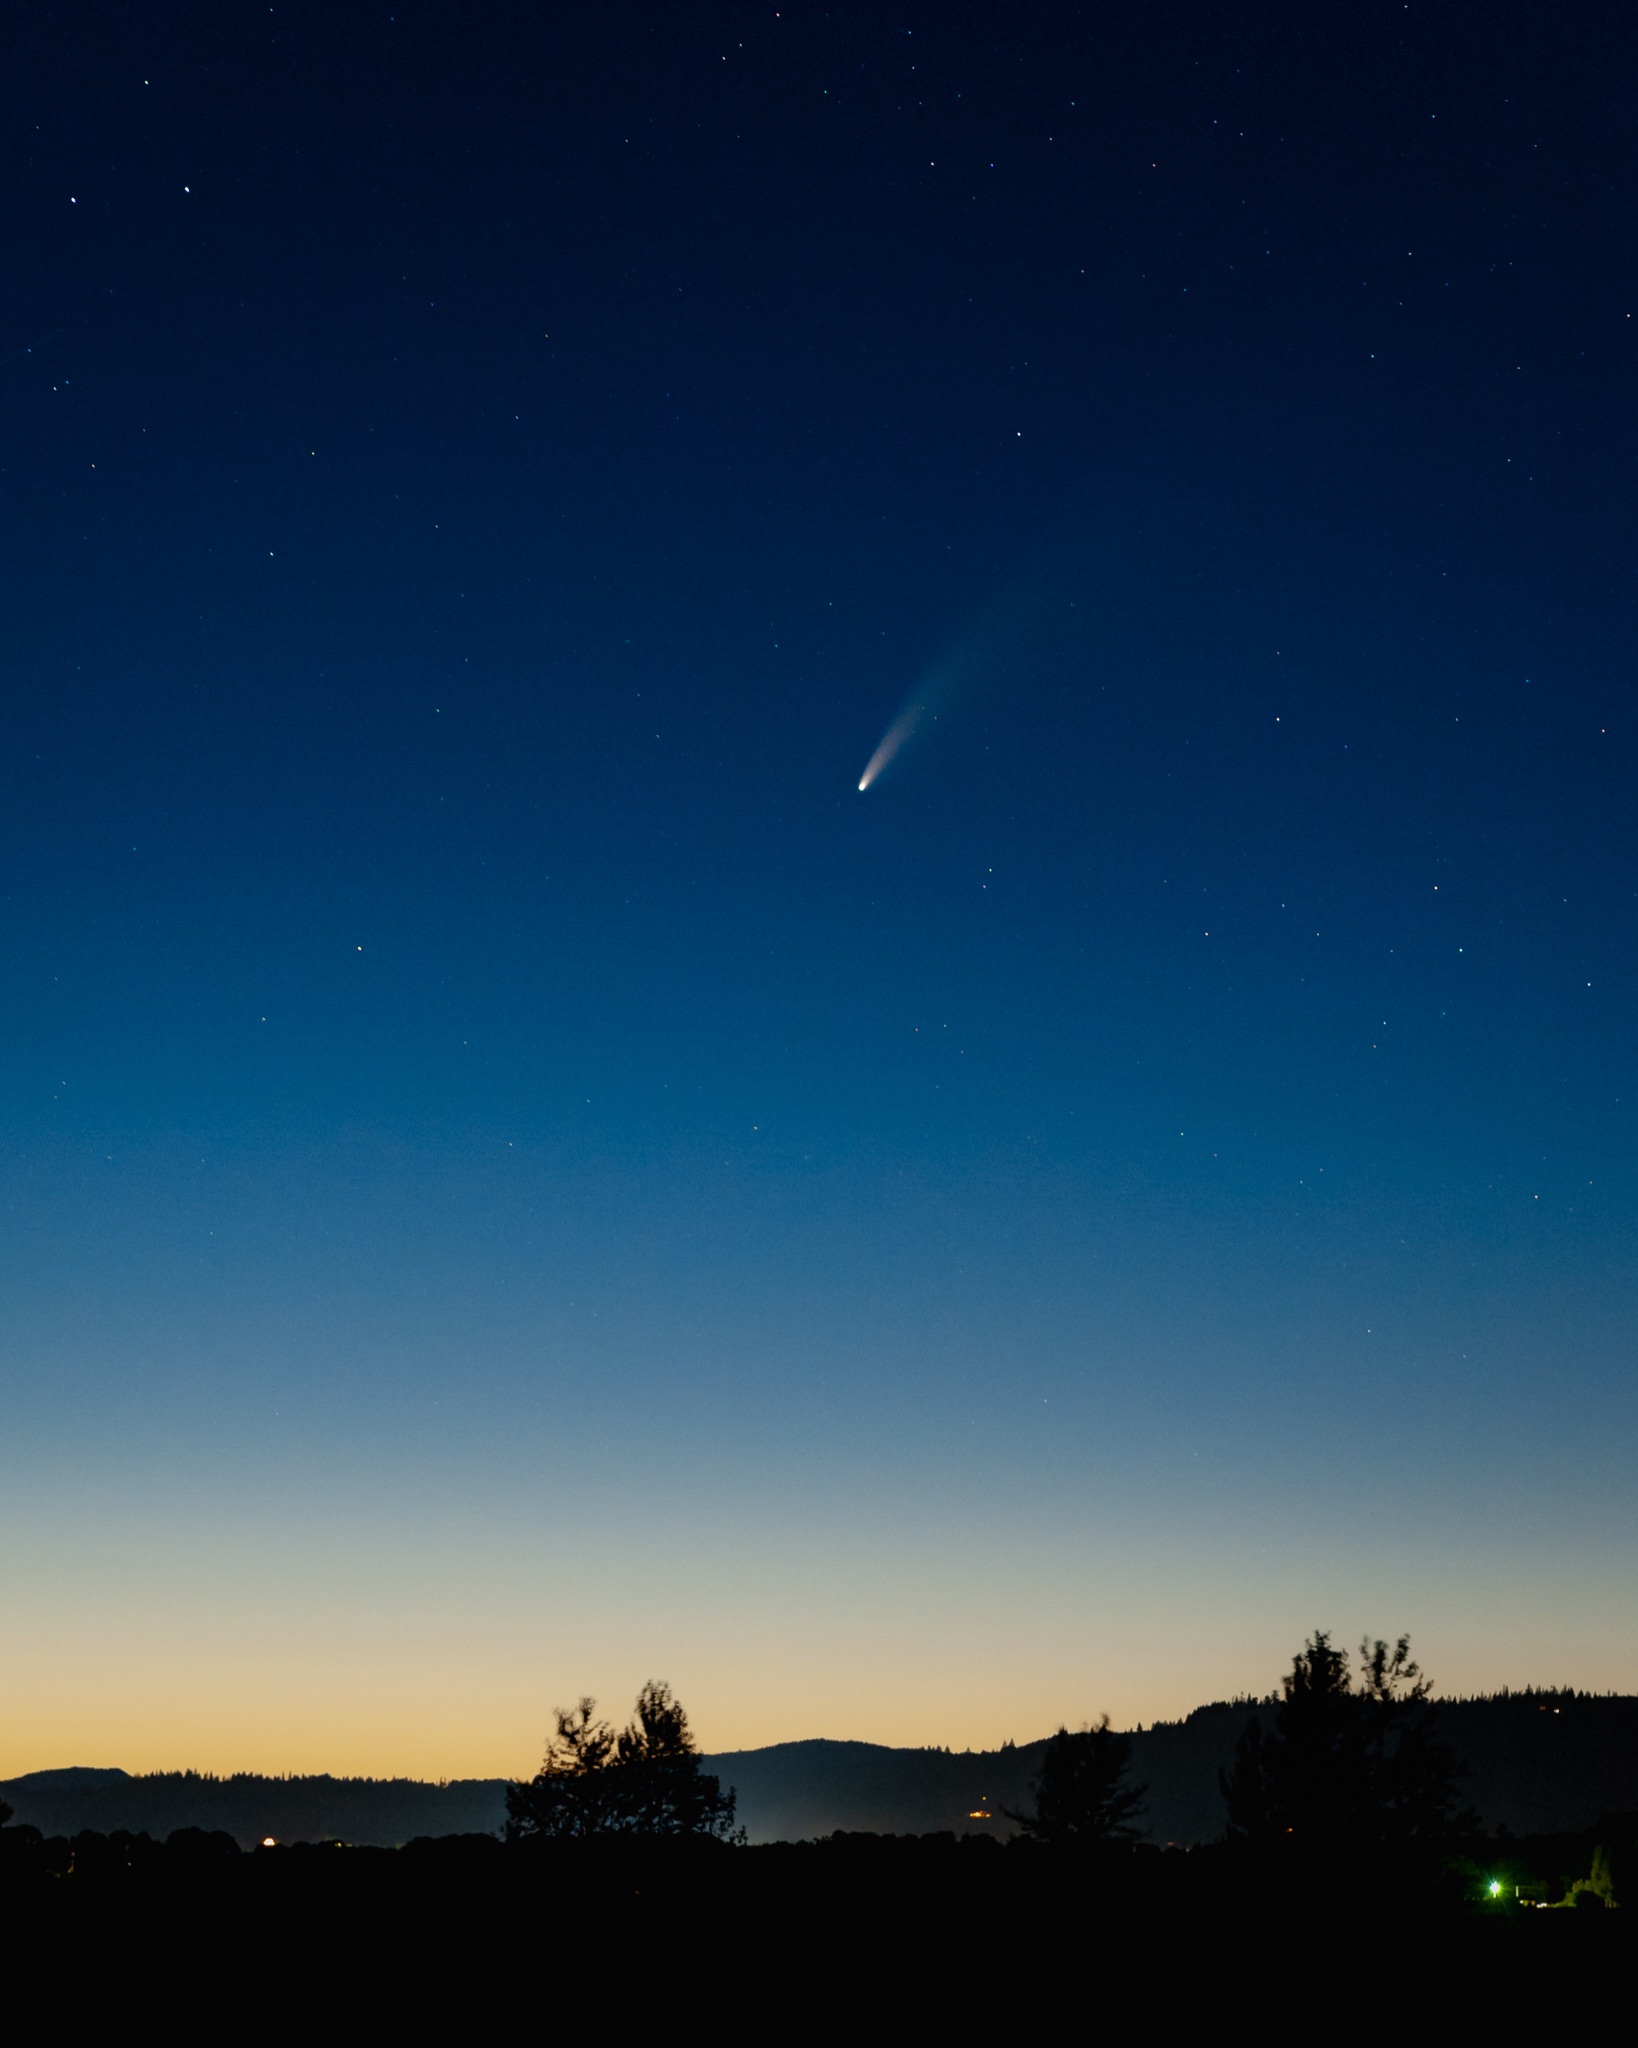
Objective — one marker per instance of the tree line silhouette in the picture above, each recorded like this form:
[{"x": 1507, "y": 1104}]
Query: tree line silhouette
[
  {"x": 1345, "y": 1765},
  {"x": 1349, "y": 1760}
]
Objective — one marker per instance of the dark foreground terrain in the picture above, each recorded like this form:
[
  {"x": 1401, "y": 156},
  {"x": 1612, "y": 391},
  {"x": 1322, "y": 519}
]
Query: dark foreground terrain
[{"x": 878, "y": 1934}]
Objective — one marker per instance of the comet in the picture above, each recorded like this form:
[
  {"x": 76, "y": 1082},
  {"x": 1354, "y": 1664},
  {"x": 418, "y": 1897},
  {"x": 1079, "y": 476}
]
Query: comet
[
  {"x": 993, "y": 647},
  {"x": 891, "y": 741},
  {"x": 933, "y": 694},
  {"x": 1047, "y": 618}
]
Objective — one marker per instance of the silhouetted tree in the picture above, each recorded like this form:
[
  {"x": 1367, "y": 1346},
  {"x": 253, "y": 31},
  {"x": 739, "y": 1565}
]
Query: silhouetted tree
[
  {"x": 1346, "y": 1763},
  {"x": 1599, "y": 1888},
  {"x": 663, "y": 1791},
  {"x": 1080, "y": 1795},
  {"x": 571, "y": 1795},
  {"x": 1245, "y": 1787},
  {"x": 644, "y": 1781}
]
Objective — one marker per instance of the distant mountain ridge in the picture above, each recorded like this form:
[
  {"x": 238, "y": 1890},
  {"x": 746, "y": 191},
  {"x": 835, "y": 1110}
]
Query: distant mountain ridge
[
  {"x": 1537, "y": 1762},
  {"x": 251, "y": 1807}
]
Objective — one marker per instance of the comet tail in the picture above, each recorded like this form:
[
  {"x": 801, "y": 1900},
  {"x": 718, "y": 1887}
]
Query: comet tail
[{"x": 894, "y": 738}]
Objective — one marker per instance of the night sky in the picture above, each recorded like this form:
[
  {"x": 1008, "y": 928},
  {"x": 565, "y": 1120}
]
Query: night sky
[{"x": 516, "y": 1176}]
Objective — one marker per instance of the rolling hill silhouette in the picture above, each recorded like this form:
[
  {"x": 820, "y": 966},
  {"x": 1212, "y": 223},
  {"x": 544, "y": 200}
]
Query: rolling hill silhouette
[{"x": 1537, "y": 1763}]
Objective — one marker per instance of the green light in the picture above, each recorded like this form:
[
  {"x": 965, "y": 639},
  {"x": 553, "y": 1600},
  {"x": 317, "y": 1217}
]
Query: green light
[{"x": 1495, "y": 1887}]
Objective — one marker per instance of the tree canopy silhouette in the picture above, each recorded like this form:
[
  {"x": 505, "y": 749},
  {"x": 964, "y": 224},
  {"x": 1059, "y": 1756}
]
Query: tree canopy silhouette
[
  {"x": 1351, "y": 1760},
  {"x": 646, "y": 1780},
  {"x": 1081, "y": 1796}
]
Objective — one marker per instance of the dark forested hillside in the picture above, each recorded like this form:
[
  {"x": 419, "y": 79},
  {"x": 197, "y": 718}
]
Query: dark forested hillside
[
  {"x": 1537, "y": 1762},
  {"x": 1546, "y": 1762},
  {"x": 364, "y": 1810}
]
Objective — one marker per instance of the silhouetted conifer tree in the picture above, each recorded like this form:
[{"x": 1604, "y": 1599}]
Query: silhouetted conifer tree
[
  {"x": 1080, "y": 1795},
  {"x": 571, "y": 1795},
  {"x": 1346, "y": 1763},
  {"x": 644, "y": 1781},
  {"x": 664, "y": 1791}
]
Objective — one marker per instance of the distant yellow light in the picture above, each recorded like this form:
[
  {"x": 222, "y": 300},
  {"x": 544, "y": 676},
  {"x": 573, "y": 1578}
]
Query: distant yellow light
[
  {"x": 979, "y": 1813},
  {"x": 268, "y": 1842}
]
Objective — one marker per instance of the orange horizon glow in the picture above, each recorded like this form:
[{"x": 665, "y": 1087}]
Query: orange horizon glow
[{"x": 434, "y": 1725}]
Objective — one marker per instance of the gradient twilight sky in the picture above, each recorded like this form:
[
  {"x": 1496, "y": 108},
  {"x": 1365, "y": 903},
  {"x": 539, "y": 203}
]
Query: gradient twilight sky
[{"x": 516, "y": 1177}]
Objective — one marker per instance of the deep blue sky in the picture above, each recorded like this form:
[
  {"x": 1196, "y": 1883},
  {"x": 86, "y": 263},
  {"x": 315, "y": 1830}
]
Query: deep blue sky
[{"x": 515, "y": 1175}]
